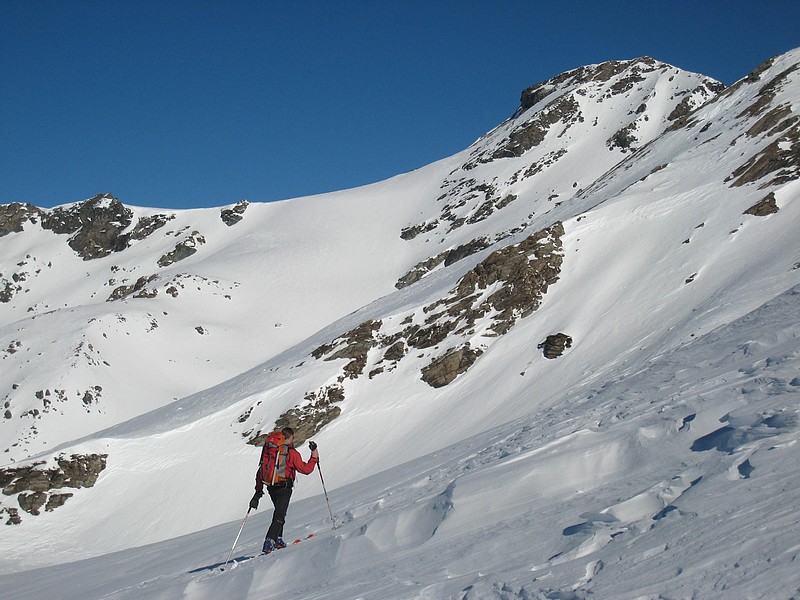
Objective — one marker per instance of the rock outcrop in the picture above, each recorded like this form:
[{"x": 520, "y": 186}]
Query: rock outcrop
[
  {"x": 765, "y": 206},
  {"x": 182, "y": 250},
  {"x": 37, "y": 487},
  {"x": 447, "y": 367},
  {"x": 554, "y": 345},
  {"x": 97, "y": 227},
  {"x": 231, "y": 216},
  {"x": 14, "y": 215},
  {"x": 521, "y": 273}
]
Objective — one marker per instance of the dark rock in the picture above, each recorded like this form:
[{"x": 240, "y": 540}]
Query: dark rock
[
  {"x": 6, "y": 477},
  {"x": 538, "y": 166},
  {"x": 56, "y": 500},
  {"x": 256, "y": 440},
  {"x": 433, "y": 334},
  {"x": 681, "y": 110},
  {"x": 355, "y": 345},
  {"x": 781, "y": 159},
  {"x": 96, "y": 225},
  {"x": 12, "y": 217},
  {"x": 308, "y": 419},
  {"x": 531, "y": 96},
  {"x": 25, "y": 479},
  {"x": 602, "y": 72},
  {"x": 409, "y": 233},
  {"x": 446, "y": 368},
  {"x": 773, "y": 122},
  {"x": 395, "y": 352},
  {"x": 13, "y": 516},
  {"x": 182, "y": 250},
  {"x": 82, "y": 470},
  {"x": 8, "y": 289},
  {"x": 527, "y": 270},
  {"x": 756, "y": 74},
  {"x": 420, "y": 270},
  {"x": 32, "y": 483},
  {"x": 307, "y": 423},
  {"x": 623, "y": 139},
  {"x": 554, "y": 345},
  {"x": 448, "y": 257},
  {"x": 766, "y": 206},
  {"x": 146, "y": 226},
  {"x": 124, "y": 291},
  {"x": 31, "y": 503},
  {"x": 519, "y": 273},
  {"x": 564, "y": 110},
  {"x": 767, "y": 93},
  {"x": 231, "y": 216}
]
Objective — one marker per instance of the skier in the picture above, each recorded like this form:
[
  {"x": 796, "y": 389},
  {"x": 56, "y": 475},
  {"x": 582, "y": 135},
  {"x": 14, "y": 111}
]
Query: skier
[{"x": 279, "y": 451}]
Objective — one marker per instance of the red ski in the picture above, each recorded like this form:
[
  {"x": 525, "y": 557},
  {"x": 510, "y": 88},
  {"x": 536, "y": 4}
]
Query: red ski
[{"x": 308, "y": 537}]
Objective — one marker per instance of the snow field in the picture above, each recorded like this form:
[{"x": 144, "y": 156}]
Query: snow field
[
  {"x": 611, "y": 500},
  {"x": 656, "y": 458}
]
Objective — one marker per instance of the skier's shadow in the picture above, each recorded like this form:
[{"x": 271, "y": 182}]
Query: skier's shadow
[{"x": 216, "y": 566}]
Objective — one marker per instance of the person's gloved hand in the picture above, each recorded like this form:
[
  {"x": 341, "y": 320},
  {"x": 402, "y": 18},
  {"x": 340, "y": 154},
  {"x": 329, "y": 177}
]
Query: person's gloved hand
[
  {"x": 254, "y": 500},
  {"x": 312, "y": 445}
]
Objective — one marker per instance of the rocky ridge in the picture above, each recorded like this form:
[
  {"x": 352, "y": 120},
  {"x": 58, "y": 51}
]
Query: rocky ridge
[{"x": 536, "y": 140}]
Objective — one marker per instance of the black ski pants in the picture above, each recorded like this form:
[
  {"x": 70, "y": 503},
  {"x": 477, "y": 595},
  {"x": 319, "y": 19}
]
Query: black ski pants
[{"x": 280, "y": 497}]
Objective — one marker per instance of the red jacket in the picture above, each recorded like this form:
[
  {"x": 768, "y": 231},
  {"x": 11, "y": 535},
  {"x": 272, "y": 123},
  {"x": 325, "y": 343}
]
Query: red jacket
[{"x": 295, "y": 463}]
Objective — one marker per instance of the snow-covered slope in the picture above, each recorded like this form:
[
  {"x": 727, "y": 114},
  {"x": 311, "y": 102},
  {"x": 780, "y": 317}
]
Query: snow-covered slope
[
  {"x": 638, "y": 214},
  {"x": 678, "y": 481},
  {"x": 119, "y": 330}
]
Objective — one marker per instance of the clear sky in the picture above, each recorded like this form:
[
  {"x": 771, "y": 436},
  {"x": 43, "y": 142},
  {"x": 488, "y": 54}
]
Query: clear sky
[{"x": 194, "y": 103}]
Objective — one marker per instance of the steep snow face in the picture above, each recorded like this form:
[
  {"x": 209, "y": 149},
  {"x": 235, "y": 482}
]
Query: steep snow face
[{"x": 412, "y": 312}]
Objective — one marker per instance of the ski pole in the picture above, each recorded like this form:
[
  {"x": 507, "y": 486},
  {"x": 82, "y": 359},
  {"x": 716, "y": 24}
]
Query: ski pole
[
  {"x": 237, "y": 538},
  {"x": 322, "y": 479}
]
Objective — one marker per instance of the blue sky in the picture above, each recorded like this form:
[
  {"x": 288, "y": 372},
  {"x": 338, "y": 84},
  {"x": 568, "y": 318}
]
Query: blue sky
[{"x": 188, "y": 104}]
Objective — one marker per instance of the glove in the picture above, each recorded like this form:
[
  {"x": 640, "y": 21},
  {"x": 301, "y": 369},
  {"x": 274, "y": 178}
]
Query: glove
[
  {"x": 254, "y": 500},
  {"x": 312, "y": 446}
]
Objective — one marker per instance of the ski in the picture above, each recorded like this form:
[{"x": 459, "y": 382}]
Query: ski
[
  {"x": 235, "y": 562},
  {"x": 297, "y": 541}
]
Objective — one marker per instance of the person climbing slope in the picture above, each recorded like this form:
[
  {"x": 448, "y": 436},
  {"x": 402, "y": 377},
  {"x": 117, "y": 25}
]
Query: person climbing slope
[{"x": 277, "y": 469}]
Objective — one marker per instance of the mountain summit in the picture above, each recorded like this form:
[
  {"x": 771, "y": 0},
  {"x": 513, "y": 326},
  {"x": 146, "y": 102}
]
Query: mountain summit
[{"x": 573, "y": 343}]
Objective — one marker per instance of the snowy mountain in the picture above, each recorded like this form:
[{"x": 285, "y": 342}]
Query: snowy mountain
[{"x": 562, "y": 362}]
